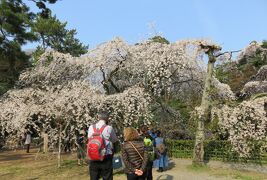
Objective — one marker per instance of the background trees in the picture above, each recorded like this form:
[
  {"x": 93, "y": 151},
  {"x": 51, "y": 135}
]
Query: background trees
[
  {"x": 244, "y": 121},
  {"x": 15, "y": 23},
  {"x": 18, "y": 26},
  {"x": 249, "y": 61},
  {"x": 245, "y": 124}
]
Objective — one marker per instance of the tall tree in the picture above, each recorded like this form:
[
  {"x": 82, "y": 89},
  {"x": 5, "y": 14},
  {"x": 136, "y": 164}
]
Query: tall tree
[
  {"x": 15, "y": 22},
  {"x": 16, "y": 29},
  {"x": 53, "y": 34}
]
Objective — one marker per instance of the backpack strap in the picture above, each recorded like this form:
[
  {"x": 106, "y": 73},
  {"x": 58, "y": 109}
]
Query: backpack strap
[
  {"x": 94, "y": 128},
  {"x": 102, "y": 129}
]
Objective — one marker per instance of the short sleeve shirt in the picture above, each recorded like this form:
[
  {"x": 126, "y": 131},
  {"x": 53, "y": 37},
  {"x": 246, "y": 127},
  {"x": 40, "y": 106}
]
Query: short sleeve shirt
[{"x": 108, "y": 134}]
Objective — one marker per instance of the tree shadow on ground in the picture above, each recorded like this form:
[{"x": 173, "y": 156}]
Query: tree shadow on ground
[
  {"x": 171, "y": 165},
  {"x": 14, "y": 157},
  {"x": 165, "y": 177}
]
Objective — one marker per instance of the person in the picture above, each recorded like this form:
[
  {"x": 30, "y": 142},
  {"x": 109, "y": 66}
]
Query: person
[
  {"x": 162, "y": 162},
  {"x": 152, "y": 133},
  {"x": 134, "y": 155},
  {"x": 103, "y": 168},
  {"x": 139, "y": 132},
  {"x": 81, "y": 147},
  {"x": 149, "y": 145},
  {"x": 67, "y": 142},
  {"x": 20, "y": 140},
  {"x": 28, "y": 138}
]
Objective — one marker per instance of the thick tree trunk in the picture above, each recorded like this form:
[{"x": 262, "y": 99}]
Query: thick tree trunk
[
  {"x": 59, "y": 147},
  {"x": 198, "y": 157}
]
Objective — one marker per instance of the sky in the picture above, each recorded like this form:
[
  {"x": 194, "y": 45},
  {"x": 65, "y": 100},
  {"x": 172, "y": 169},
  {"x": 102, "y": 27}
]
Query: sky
[{"x": 233, "y": 24}]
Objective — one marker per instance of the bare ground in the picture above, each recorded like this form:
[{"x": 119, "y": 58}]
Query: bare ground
[{"x": 20, "y": 165}]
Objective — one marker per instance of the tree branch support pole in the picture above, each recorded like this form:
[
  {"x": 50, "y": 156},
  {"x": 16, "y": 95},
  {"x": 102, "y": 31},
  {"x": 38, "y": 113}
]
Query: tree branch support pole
[
  {"x": 45, "y": 145},
  {"x": 59, "y": 147},
  {"x": 198, "y": 157}
]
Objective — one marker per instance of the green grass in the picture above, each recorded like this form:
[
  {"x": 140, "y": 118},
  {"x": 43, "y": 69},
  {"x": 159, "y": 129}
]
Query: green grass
[
  {"x": 244, "y": 177},
  {"x": 69, "y": 163},
  {"x": 235, "y": 174},
  {"x": 198, "y": 168}
]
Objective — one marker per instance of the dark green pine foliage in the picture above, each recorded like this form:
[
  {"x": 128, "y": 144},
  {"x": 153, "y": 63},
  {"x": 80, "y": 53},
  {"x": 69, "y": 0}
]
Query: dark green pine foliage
[
  {"x": 53, "y": 34},
  {"x": 41, "y": 4},
  {"x": 159, "y": 39},
  {"x": 15, "y": 23}
]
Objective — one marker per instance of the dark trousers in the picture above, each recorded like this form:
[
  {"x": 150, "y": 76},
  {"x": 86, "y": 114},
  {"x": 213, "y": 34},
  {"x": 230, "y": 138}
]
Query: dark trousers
[
  {"x": 102, "y": 169},
  {"x": 149, "y": 167},
  {"x": 133, "y": 176},
  {"x": 28, "y": 148}
]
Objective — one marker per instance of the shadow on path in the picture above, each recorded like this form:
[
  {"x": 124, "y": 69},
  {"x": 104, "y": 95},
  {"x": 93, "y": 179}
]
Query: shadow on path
[
  {"x": 15, "y": 156},
  {"x": 165, "y": 177},
  {"x": 171, "y": 165}
]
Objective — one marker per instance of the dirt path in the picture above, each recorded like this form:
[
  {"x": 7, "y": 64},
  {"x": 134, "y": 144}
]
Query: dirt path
[
  {"x": 179, "y": 171},
  {"x": 182, "y": 169}
]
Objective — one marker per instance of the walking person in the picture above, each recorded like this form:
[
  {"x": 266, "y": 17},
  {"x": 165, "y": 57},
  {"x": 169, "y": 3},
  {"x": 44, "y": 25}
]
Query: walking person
[
  {"x": 101, "y": 139},
  {"x": 28, "y": 138},
  {"x": 81, "y": 147},
  {"x": 67, "y": 143},
  {"x": 134, "y": 155},
  {"x": 150, "y": 148},
  {"x": 162, "y": 162}
]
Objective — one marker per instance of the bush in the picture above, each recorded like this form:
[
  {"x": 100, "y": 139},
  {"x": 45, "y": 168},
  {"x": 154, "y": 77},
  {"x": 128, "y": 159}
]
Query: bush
[{"x": 214, "y": 149}]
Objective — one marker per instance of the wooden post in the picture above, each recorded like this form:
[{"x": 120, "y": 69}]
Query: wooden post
[
  {"x": 45, "y": 145},
  {"x": 59, "y": 146}
]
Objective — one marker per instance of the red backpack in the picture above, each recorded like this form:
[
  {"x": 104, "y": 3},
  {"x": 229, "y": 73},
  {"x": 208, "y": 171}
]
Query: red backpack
[{"x": 96, "y": 149}]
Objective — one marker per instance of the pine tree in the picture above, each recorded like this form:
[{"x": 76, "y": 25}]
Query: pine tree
[
  {"x": 15, "y": 23},
  {"x": 53, "y": 34}
]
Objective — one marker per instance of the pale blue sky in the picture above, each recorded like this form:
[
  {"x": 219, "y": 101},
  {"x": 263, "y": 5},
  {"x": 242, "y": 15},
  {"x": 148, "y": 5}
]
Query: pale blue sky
[{"x": 231, "y": 23}]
